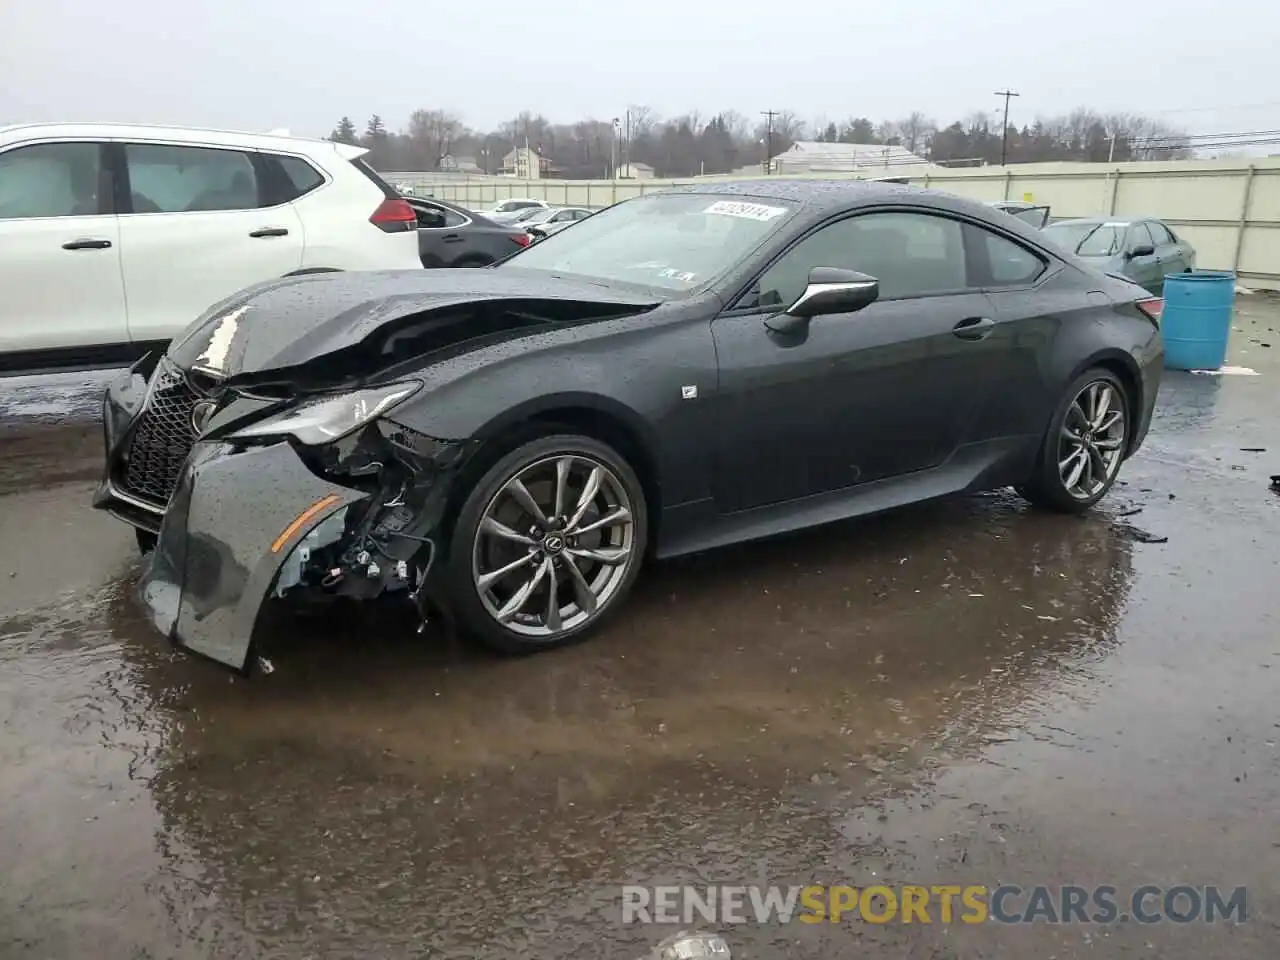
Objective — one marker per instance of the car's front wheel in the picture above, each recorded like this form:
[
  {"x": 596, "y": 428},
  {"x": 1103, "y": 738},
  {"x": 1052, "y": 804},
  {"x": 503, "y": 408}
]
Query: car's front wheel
[
  {"x": 547, "y": 544},
  {"x": 1084, "y": 445}
]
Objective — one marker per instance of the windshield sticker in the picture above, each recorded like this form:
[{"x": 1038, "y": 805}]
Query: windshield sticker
[
  {"x": 747, "y": 211},
  {"x": 671, "y": 273}
]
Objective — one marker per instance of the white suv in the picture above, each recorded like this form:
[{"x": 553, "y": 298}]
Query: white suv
[{"x": 114, "y": 237}]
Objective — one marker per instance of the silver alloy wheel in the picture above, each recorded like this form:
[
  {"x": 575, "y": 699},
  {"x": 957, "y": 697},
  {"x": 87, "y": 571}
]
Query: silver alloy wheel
[
  {"x": 553, "y": 546},
  {"x": 1092, "y": 439}
]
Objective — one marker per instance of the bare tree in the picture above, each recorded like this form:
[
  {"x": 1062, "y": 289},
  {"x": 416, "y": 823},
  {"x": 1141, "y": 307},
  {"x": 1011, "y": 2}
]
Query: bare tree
[
  {"x": 432, "y": 134},
  {"x": 915, "y": 131}
]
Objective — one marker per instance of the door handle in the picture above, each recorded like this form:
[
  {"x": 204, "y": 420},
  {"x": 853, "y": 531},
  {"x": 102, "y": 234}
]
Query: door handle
[
  {"x": 452, "y": 238},
  {"x": 87, "y": 243},
  {"x": 270, "y": 232},
  {"x": 974, "y": 328}
]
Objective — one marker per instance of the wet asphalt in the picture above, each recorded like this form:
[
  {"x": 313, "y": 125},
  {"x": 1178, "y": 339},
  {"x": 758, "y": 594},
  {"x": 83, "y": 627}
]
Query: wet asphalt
[{"x": 965, "y": 692}]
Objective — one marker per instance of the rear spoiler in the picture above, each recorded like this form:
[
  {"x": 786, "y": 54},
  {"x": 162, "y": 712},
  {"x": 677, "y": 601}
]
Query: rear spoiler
[{"x": 348, "y": 152}]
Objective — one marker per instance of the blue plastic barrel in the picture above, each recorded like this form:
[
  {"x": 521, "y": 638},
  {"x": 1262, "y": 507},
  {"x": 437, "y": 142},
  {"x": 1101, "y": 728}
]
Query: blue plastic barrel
[{"x": 1197, "y": 318}]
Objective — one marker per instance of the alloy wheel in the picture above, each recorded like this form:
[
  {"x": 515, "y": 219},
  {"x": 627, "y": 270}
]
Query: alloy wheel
[
  {"x": 1091, "y": 442},
  {"x": 553, "y": 546}
]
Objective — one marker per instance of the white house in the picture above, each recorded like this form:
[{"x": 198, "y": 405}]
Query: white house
[{"x": 634, "y": 170}]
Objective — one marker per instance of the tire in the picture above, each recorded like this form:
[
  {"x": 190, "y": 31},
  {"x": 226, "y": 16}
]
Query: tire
[
  {"x": 607, "y": 558},
  {"x": 474, "y": 260},
  {"x": 1060, "y": 455},
  {"x": 146, "y": 540}
]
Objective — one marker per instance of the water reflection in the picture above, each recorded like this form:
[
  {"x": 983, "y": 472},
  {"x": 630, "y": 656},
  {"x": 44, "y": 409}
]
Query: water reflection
[{"x": 380, "y": 781}]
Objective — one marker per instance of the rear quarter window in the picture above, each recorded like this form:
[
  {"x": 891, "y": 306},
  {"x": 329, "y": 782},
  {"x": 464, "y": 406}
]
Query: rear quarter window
[{"x": 300, "y": 177}]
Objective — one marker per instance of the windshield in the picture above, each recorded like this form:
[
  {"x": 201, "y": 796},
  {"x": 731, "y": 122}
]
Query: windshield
[
  {"x": 1088, "y": 239},
  {"x": 676, "y": 241}
]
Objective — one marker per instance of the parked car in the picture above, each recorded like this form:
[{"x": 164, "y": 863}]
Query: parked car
[
  {"x": 548, "y": 221},
  {"x": 520, "y": 216},
  {"x": 113, "y": 237},
  {"x": 449, "y": 236},
  {"x": 512, "y": 205},
  {"x": 682, "y": 371},
  {"x": 1035, "y": 214},
  {"x": 1145, "y": 250}
]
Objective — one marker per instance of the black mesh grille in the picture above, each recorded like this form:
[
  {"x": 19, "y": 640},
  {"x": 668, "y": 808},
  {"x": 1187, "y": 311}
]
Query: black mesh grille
[{"x": 161, "y": 440}]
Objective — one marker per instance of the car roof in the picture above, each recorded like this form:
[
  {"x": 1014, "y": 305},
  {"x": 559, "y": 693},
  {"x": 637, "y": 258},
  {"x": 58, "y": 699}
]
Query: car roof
[{"x": 197, "y": 135}]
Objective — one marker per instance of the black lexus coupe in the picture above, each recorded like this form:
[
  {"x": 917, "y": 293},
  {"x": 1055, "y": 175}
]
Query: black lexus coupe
[{"x": 682, "y": 371}]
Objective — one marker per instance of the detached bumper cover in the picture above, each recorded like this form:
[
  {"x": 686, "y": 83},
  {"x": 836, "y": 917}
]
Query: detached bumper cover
[{"x": 232, "y": 522}]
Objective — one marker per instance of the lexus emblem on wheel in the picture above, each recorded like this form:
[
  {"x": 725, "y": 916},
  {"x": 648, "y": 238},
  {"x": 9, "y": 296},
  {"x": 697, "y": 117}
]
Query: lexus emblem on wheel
[{"x": 201, "y": 413}]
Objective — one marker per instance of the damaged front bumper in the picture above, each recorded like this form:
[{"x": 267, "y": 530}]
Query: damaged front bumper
[
  {"x": 248, "y": 523},
  {"x": 235, "y": 519}
]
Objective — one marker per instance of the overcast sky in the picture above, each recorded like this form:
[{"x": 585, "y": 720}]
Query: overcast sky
[{"x": 261, "y": 64}]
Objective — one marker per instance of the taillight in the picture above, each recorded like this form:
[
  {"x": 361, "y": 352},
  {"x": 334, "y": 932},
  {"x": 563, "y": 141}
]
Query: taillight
[
  {"x": 1152, "y": 307},
  {"x": 521, "y": 239},
  {"x": 394, "y": 215}
]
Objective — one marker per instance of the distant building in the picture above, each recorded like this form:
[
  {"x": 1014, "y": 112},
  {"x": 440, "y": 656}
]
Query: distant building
[
  {"x": 525, "y": 163},
  {"x": 451, "y": 164},
  {"x": 817, "y": 157},
  {"x": 634, "y": 171}
]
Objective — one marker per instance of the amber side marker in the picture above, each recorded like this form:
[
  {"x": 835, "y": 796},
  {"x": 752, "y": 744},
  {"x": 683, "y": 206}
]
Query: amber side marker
[{"x": 302, "y": 518}]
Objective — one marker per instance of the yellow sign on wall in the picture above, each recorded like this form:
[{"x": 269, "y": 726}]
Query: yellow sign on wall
[{"x": 1029, "y": 197}]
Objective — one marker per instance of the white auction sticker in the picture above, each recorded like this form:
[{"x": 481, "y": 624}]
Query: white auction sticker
[{"x": 748, "y": 211}]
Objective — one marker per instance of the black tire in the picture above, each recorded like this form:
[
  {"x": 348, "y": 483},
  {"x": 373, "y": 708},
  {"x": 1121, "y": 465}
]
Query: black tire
[
  {"x": 146, "y": 540},
  {"x": 457, "y": 585},
  {"x": 1046, "y": 488},
  {"x": 474, "y": 260}
]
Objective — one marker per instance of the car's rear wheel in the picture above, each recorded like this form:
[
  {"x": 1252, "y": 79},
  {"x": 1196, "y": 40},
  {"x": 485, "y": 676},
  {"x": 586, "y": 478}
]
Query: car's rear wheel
[
  {"x": 1084, "y": 445},
  {"x": 547, "y": 544}
]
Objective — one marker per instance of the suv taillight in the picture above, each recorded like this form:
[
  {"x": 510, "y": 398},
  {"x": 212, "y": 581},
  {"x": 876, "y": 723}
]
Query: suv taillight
[
  {"x": 394, "y": 215},
  {"x": 1153, "y": 307},
  {"x": 521, "y": 239}
]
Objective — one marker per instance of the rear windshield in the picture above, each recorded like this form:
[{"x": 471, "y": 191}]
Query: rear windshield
[
  {"x": 368, "y": 171},
  {"x": 1088, "y": 239}
]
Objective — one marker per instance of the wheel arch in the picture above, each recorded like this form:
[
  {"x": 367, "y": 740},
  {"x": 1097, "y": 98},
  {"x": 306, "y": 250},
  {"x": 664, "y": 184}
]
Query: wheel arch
[
  {"x": 1125, "y": 369},
  {"x": 592, "y": 415},
  {"x": 308, "y": 271}
]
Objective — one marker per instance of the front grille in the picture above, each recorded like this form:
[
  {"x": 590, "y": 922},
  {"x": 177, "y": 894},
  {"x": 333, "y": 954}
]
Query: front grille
[{"x": 161, "y": 440}]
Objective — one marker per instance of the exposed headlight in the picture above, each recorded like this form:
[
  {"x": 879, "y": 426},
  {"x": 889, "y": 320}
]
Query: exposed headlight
[{"x": 325, "y": 419}]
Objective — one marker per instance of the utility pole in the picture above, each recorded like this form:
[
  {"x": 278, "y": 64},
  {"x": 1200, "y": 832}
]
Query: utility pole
[
  {"x": 768, "y": 139},
  {"x": 626, "y": 147},
  {"x": 1004, "y": 130}
]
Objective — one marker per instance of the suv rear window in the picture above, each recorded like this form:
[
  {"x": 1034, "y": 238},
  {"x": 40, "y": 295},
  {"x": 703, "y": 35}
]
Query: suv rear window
[{"x": 386, "y": 188}]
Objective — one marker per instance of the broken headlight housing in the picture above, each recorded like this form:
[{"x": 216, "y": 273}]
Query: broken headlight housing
[{"x": 327, "y": 418}]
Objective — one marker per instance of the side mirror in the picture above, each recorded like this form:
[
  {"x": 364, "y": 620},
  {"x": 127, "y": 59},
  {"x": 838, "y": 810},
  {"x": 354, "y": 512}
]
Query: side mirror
[
  {"x": 1142, "y": 250},
  {"x": 830, "y": 290}
]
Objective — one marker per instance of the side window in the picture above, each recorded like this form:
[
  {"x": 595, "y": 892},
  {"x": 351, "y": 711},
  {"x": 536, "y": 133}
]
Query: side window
[
  {"x": 169, "y": 179},
  {"x": 453, "y": 219},
  {"x": 50, "y": 180},
  {"x": 1159, "y": 234},
  {"x": 300, "y": 177},
  {"x": 1009, "y": 264},
  {"x": 911, "y": 254},
  {"x": 1139, "y": 236}
]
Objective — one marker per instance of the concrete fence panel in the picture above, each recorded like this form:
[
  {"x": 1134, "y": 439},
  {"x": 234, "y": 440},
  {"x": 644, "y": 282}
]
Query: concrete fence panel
[{"x": 1229, "y": 209}]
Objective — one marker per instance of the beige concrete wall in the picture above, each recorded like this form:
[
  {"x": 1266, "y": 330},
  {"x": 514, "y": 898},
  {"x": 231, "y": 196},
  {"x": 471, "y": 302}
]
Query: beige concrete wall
[{"x": 1229, "y": 210}]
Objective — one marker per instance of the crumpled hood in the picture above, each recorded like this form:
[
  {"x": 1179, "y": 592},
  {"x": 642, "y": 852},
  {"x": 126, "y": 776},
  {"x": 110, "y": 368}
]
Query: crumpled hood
[{"x": 290, "y": 322}]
